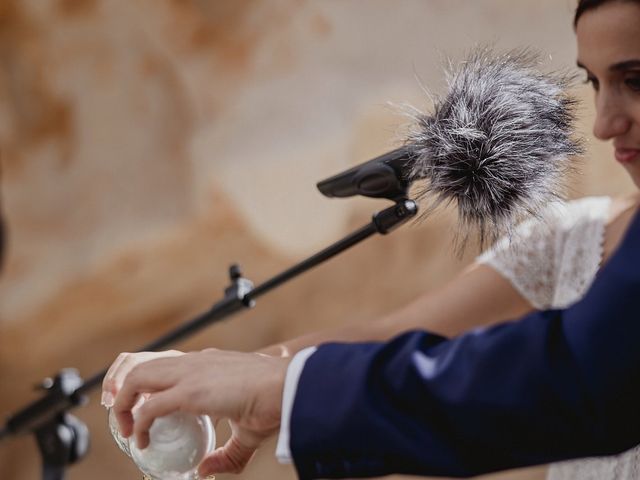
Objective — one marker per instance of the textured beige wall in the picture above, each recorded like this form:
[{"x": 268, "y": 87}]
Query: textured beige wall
[{"x": 146, "y": 145}]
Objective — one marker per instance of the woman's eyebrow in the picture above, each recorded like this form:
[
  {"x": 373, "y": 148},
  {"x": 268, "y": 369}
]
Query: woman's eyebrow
[
  {"x": 626, "y": 65},
  {"x": 617, "y": 67}
]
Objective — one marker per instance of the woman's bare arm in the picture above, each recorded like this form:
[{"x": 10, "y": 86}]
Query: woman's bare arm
[{"x": 478, "y": 296}]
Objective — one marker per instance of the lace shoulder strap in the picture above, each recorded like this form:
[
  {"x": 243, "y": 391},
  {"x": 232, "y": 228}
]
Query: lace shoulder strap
[{"x": 535, "y": 258}]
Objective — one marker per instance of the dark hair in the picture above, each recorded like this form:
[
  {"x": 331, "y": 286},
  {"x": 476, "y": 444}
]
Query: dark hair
[{"x": 585, "y": 5}]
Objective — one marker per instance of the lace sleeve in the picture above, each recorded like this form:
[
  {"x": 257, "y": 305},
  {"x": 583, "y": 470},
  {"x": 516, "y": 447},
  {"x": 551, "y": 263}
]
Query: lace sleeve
[
  {"x": 552, "y": 261},
  {"x": 528, "y": 258}
]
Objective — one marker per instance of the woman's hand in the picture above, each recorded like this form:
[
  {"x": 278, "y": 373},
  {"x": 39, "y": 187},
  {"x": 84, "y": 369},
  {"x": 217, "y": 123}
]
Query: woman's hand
[{"x": 245, "y": 388}]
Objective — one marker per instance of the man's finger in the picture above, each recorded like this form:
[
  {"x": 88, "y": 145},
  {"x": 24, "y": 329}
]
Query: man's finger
[
  {"x": 109, "y": 388},
  {"x": 121, "y": 367},
  {"x": 158, "y": 405},
  {"x": 230, "y": 458},
  {"x": 148, "y": 377}
]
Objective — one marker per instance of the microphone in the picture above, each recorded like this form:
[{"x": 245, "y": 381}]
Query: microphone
[
  {"x": 499, "y": 145},
  {"x": 382, "y": 177}
]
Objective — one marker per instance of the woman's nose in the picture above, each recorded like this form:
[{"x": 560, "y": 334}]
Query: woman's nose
[{"x": 612, "y": 119}]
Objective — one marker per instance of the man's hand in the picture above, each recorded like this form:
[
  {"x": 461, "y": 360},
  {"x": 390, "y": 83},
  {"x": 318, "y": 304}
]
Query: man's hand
[
  {"x": 245, "y": 388},
  {"x": 121, "y": 367}
]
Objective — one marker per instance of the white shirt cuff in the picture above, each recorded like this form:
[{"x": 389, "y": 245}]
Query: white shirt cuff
[{"x": 283, "y": 450}]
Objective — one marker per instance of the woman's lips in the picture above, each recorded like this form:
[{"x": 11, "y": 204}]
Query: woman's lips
[{"x": 626, "y": 155}]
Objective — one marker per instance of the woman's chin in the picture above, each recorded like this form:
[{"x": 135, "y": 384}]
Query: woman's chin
[{"x": 634, "y": 174}]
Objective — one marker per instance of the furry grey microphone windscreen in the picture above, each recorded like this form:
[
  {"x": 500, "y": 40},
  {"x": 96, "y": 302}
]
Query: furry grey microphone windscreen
[{"x": 499, "y": 145}]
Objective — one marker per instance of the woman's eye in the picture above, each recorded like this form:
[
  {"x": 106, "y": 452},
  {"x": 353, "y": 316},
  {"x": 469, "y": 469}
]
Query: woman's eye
[{"x": 633, "y": 83}]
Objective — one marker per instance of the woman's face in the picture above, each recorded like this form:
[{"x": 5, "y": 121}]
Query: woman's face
[{"x": 609, "y": 51}]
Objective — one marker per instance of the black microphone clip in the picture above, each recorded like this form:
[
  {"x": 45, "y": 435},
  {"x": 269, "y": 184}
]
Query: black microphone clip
[{"x": 382, "y": 177}]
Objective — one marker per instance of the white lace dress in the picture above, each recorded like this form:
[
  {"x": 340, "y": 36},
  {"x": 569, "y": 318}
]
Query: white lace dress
[{"x": 552, "y": 263}]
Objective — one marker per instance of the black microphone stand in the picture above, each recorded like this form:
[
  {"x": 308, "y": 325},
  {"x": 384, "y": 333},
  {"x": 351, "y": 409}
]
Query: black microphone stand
[{"x": 64, "y": 440}]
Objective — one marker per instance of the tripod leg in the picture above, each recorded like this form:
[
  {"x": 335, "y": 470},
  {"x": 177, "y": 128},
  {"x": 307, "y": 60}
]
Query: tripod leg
[
  {"x": 62, "y": 442},
  {"x": 52, "y": 472}
]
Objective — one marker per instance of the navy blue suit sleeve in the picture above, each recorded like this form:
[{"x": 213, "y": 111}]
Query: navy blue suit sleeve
[{"x": 551, "y": 386}]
